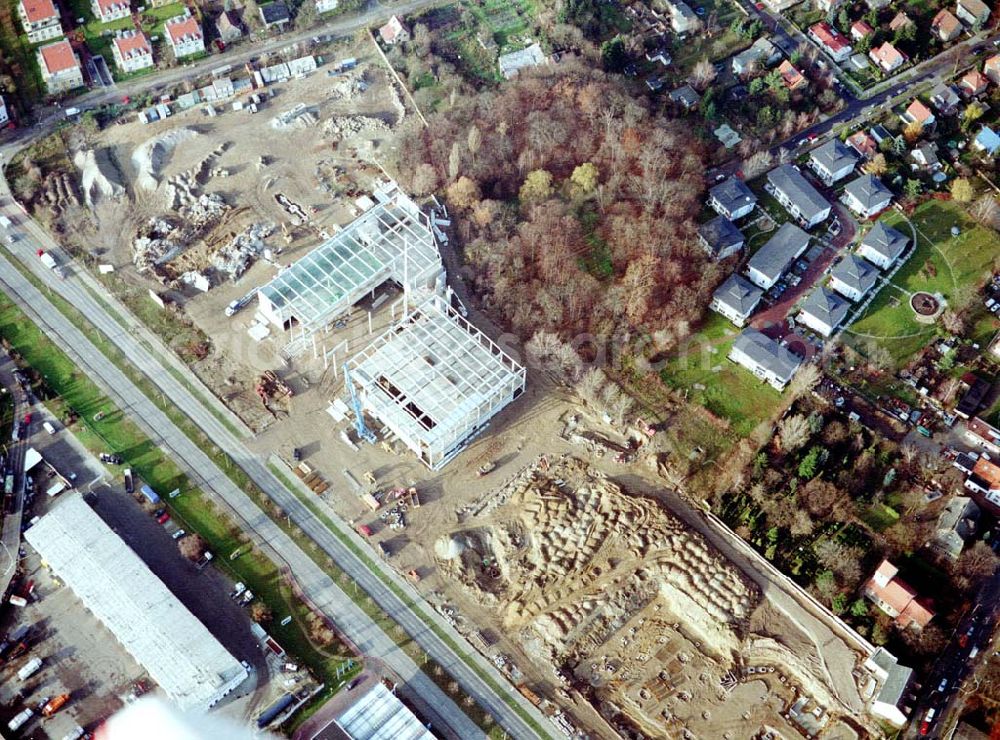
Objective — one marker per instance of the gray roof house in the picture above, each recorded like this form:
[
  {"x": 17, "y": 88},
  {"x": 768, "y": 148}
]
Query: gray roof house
[
  {"x": 799, "y": 198},
  {"x": 944, "y": 99},
  {"x": 883, "y": 245},
  {"x": 512, "y": 63},
  {"x": 956, "y": 526},
  {"x": 822, "y": 311},
  {"x": 720, "y": 237},
  {"x": 685, "y": 96},
  {"x": 833, "y": 161},
  {"x": 732, "y": 199},
  {"x": 762, "y": 52},
  {"x": 769, "y": 263},
  {"x": 736, "y": 299},
  {"x": 853, "y": 277},
  {"x": 925, "y": 156},
  {"x": 890, "y": 701},
  {"x": 866, "y": 196},
  {"x": 765, "y": 358}
]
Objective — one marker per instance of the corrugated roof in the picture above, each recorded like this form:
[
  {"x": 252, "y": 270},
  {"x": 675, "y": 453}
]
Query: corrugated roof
[
  {"x": 177, "y": 650},
  {"x": 379, "y": 715}
]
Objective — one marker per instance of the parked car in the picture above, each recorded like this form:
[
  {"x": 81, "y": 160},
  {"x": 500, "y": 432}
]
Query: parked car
[
  {"x": 178, "y": 534},
  {"x": 163, "y": 518}
]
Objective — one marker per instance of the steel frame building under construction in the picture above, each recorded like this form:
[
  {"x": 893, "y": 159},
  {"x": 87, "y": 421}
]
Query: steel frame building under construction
[
  {"x": 434, "y": 380},
  {"x": 394, "y": 240}
]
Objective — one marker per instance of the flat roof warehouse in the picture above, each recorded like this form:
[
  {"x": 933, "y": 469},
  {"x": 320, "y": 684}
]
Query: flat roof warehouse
[{"x": 163, "y": 636}]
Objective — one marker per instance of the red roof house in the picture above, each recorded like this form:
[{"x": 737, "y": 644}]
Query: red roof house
[{"x": 896, "y": 598}]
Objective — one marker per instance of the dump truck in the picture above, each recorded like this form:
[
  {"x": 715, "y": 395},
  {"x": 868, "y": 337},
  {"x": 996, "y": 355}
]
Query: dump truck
[
  {"x": 29, "y": 669},
  {"x": 54, "y": 705}
]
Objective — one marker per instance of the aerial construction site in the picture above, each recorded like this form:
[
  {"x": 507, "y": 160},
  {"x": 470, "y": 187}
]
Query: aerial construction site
[{"x": 312, "y": 297}]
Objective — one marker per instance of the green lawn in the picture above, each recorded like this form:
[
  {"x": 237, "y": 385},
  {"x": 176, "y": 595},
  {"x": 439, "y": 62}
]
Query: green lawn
[
  {"x": 952, "y": 266},
  {"x": 708, "y": 378}
]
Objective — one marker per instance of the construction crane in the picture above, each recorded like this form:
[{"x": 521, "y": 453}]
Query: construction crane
[{"x": 360, "y": 427}]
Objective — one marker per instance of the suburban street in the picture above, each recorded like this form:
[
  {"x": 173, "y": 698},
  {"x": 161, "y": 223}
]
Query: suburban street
[{"x": 10, "y": 540}]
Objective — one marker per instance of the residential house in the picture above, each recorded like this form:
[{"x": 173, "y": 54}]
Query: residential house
[
  {"x": 229, "y": 27},
  {"x": 900, "y": 20},
  {"x": 956, "y": 526},
  {"x": 917, "y": 112},
  {"x": 326, "y": 6},
  {"x": 132, "y": 51},
  {"x": 981, "y": 434},
  {"x": 946, "y": 26},
  {"x": 883, "y": 245},
  {"x": 973, "y": 83},
  {"x": 765, "y": 358},
  {"x": 720, "y": 238},
  {"x": 60, "y": 67},
  {"x": 896, "y": 598},
  {"x": 831, "y": 41},
  {"x": 860, "y": 62},
  {"x": 866, "y": 196},
  {"x": 732, "y": 199},
  {"x": 184, "y": 35},
  {"x": 275, "y": 15},
  {"x": 512, "y": 63},
  {"x": 984, "y": 480},
  {"x": 793, "y": 79},
  {"x": 110, "y": 10},
  {"x": 661, "y": 55},
  {"x": 832, "y": 161},
  {"x": 800, "y": 199},
  {"x": 860, "y": 29},
  {"x": 945, "y": 99},
  {"x": 394, "y": 32},
  {"x": 682, "y": 18},
  {"x": 986, "y": 141},
  {"x": 4, "y": 114},
  {"x": 654, "y": 84},
  {"x": 992, "y": 69},
  {"x": 863, "y": 143},
  {"x": 686, "y": 97},
  {"x": 892, "y": 700},
  {"x": 887, "y": 57},
  {"x": 771, "y": 261},
  {"x": 761, "y": 53},
  {"x": 736, "y": 299},
  {"x": 976, "y": 390},
  {"x": 972, "y": 12},
  {"x": 40, "y": 20},
  {"x": 853, "y": 277},
  {"x": 822, "y": 311},
  {"x": 925, "y": 157}
]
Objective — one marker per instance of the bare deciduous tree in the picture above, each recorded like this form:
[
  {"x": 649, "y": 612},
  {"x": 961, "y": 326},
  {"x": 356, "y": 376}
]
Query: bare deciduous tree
[
  {"x": 793, "y": 432},
  {"x": 757, "y": 164},
  {"x": 192, "y": 547},
  {"x": 703, "y": 74}
]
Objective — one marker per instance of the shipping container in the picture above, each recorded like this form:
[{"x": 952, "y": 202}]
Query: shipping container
[{"x": 55, "y": 489}]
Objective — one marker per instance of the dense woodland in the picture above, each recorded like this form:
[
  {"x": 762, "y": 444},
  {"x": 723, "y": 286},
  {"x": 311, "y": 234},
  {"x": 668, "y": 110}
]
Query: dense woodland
[{"x": 575, "y": 205}]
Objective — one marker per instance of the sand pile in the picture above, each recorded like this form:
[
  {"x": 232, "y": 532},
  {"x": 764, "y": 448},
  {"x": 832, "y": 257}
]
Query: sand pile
[
  {"x": 150, "y": 157},
  {"x": 95, "y": 179}
]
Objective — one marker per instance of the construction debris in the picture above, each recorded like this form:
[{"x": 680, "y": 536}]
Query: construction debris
[
  {"x": 236, "y": 257},
  {"x": 348, "y": 127}
]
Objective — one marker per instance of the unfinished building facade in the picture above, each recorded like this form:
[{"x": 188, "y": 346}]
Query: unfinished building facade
[
  {"x": 394, "y": 240},
  {"x": 434, "y": 380}
]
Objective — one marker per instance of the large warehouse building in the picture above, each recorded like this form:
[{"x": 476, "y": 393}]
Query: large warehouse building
[
  {"x": 393, "y": 240},
  {"x": 434, "y": 380},
  {"x": 166, "y": 639},
  {"x": 379, "y": 715}
]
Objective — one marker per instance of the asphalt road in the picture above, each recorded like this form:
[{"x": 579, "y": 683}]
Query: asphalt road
[{"x": 10, "y": 540}]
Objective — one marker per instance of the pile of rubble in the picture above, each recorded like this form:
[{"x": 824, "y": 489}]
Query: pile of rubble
[
  {"x": 346, "y": 87},
  {"x": 236, "y": 257},
  {"x": 347, "y": 127},
  {"x": 156, "y": 244},
  {"x": 202, "y": 211}
]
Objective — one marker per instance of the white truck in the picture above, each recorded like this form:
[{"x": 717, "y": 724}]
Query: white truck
[
  {"x": 19, "y": 720},
  {"x": 5, "y": 222},
  {"x": 29, "y": 669},
  {"x": 50, "y": 262}
]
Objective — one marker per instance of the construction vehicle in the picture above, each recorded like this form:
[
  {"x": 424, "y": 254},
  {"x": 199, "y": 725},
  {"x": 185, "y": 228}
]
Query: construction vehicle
[
  {"x": 29, "y": 669},
  {"x": 486, "y": 468},
  {"x": 54, "y": 705},
  {"x": 360, "y": 427},
  {"x": 270, "y": 385}
]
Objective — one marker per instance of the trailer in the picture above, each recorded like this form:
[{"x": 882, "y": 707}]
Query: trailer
[
  {"x": 129, "y": 482},
  {"x": 20, "y": 720},
  {"x": 150, "y": 494},
  {"x": 55, "y": 489},
  {"x": 29, "y": 669},
  {"x": 50, "y": 262},
  {"x": 274, "y": 711}
]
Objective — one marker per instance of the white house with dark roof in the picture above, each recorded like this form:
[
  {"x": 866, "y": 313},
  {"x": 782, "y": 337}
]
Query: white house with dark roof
[
  {"x": 833, "y": 161},
  {"x": 956, "y": 525},
  {"x": 720, "y": 238},
  {"x": 853, "y": 277},
  {"x": 765, "y": 358},
  {"x": 769, "y": 263},
  {"x": 945, "y": 99},
  {"x": 882, "y": 246},
  {"x": 800, "y": 199},
  {"x": 761, "y": 53},
  {"x": 866, "y": 196},
  {"x": 732, "y": 199},
  {"x": 736, "y": 299},
  {"x": 822, "y": 311},
  {"x": 891, "y": 701}
]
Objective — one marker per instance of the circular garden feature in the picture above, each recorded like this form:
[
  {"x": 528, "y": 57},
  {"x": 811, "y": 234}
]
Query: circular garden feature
[{"x": 924, "y": 304}]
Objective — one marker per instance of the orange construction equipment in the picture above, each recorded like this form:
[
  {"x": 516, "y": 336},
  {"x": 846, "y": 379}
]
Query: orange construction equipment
[{"x": 54, "y": 705}]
